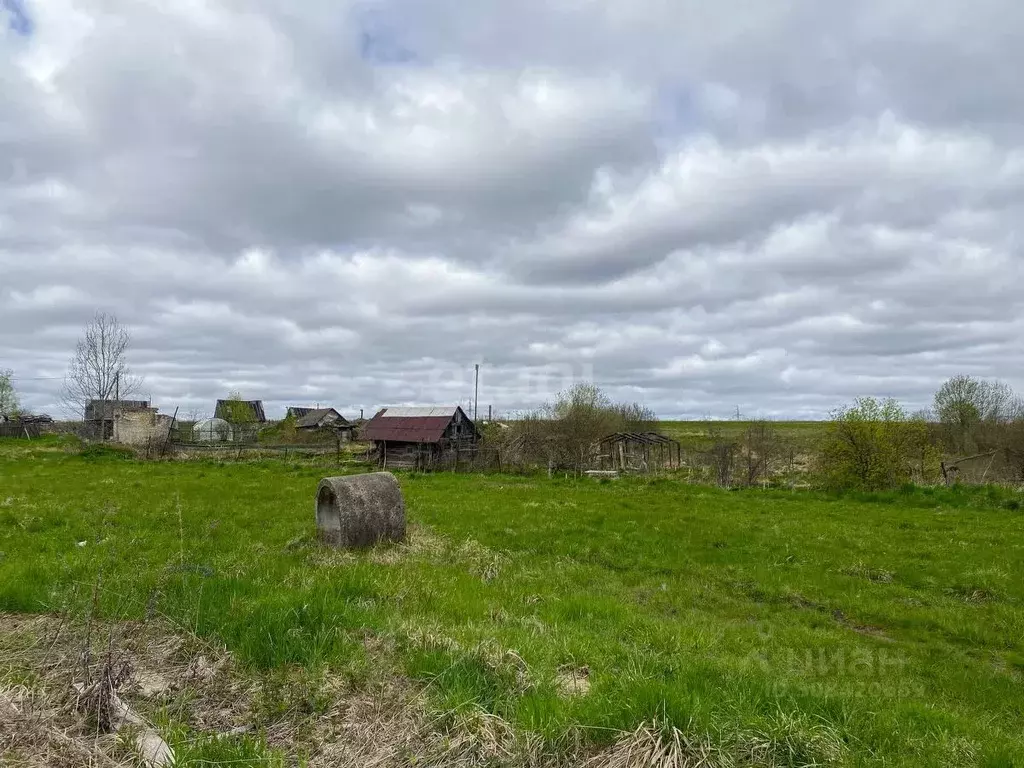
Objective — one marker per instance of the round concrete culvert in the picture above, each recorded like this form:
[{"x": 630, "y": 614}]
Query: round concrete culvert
[{"x": 357, "y": 511}]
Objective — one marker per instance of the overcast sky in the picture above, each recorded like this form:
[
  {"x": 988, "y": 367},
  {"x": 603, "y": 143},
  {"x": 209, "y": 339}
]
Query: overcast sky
[{"x": 775, "y": 205}]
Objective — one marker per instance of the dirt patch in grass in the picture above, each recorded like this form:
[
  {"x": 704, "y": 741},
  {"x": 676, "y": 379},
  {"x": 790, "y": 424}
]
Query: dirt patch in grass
[
  {"x": 799, "y": 601},
  {"x": 574, "y": 681},
  {"x": 862, "y": 629}
]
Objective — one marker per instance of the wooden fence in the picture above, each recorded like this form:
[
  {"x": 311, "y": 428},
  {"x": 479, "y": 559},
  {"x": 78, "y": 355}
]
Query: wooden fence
[
  {"x": 20, "y": 429},
  {"x": 457, "y": 458}
]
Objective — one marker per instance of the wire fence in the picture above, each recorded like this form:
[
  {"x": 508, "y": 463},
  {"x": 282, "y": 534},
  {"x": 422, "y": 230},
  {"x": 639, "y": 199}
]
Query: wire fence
[{"x": 250, "y": 450}]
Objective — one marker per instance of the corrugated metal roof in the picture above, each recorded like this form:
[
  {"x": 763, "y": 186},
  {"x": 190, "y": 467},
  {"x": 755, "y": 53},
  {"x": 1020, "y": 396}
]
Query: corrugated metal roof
[
  {"x": 419, "y": 411},
  {"x": 406, "y": 429}
]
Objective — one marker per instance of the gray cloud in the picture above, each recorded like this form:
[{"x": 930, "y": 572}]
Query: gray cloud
[{"x": 697, "y": 205}]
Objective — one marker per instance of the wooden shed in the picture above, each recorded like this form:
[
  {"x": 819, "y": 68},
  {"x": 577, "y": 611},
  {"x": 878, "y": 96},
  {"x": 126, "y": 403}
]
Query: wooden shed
[
  {"x": 419, "y": 437},
  {"x": 318, "y": 418},
  {"x": 327, "y": 419}
]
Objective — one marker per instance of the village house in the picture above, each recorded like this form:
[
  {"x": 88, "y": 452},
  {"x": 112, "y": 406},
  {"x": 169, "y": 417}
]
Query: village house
[
  {"x": 246, "y": 417},
  {"x": 315, "y": 418},
  {"x": 323, "y": 419},
  {"x": 419, "y": 437}
]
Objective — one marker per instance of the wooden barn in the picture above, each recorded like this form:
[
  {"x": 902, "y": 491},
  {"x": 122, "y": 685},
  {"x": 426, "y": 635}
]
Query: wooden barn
[
  {"x": 318, "y": 418},
  {"x": 420, "y": 437},
  {"x": 314, "y": 419}
]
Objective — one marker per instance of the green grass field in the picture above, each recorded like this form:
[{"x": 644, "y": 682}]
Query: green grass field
[
  {"x": 803, "y": 436},
  {"x": 776, "y": 627}
]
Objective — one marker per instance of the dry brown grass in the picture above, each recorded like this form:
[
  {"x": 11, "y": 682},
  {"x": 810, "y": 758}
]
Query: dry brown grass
[
  {"x": 58, "y": 703},
  {"x": 651, "y": 746},
  {"x": 41, "y": 723},
  {"x": 168, "y": 675},
  {"x": 63, "y": 700}
]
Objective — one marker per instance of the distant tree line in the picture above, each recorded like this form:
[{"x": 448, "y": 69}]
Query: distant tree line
[{"x": 974, "y": 432}]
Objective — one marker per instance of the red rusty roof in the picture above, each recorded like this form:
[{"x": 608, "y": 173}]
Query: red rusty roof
[{"x": 406, "y": 429}]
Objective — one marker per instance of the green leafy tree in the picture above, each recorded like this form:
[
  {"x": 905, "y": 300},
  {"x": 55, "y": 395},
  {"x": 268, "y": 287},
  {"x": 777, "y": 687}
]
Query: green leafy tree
[
  {"x": 237, "y": 410},
  {"x": 873, "y": 445},
  {"x": 8, "y": 397},
  {"x": 958, "y": 410}
]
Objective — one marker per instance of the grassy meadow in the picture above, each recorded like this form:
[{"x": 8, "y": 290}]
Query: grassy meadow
[
  {"x": 802, "y": 436},
  {"x": 774, "y": 627}
]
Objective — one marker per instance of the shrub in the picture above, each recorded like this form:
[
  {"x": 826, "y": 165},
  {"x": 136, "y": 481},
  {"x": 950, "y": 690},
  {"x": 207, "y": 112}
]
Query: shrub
[
  {"x": 874, "y": 445},
  {"x": 564, "y": 433}
]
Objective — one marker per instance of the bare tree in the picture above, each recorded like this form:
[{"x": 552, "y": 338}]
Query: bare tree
[
  {"x": 637, "y": 417},
  {"x": 761, "y": 449},
  {"x": 99, "y": 368},
  {"x": 722, "y": 457}
]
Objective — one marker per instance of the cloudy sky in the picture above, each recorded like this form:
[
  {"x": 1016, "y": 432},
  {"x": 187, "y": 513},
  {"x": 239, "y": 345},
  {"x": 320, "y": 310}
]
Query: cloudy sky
[{"x": 773, "y": 205}]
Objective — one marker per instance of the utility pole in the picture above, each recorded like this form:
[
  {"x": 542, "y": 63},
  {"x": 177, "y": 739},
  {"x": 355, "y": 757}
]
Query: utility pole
[
  {"x": 117, "y": 386},
  {"x": 476, "y": 391}
]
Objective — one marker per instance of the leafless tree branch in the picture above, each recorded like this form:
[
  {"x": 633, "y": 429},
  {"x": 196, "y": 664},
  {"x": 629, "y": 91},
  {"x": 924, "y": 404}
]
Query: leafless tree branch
[{"x": 99, "y": 367}]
